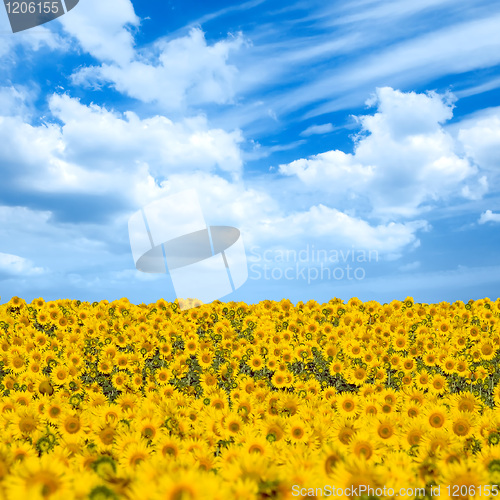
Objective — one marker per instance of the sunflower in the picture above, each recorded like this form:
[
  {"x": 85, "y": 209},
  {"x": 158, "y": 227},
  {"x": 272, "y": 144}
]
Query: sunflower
[
  {"x": 399, "y": 471},
  {"x": 415, "y": 396},
  {"x": 38, "y": 477},
  {"x": 400, "y": 342},
  {"x": 127, "y": 402},
  {"x": 336, "y": 367},
  {"x": 384, "y": 430},
  {"x": 465, "y": 479},
  {"x": 343, "y": 430},
  {"x": 105, "y": 435},
  {"x": 348, "y": 405},
  {"x": 435, "y": 440},
  {"x": 466, "y": 402},
  {"x": 408, "y": 365},
  {"x": 191, "y": 345},
  {"x": 169, "y": 446},
  {"x": 356, "y": 375},
  {"x": 59, "y": 375},
  {"x": 26, "y": 421},
  {"x": 461, "y": 423},
  {"x": 21, "y": 450},
  {"x": 255, "y": 444},
  {"x": 411, "y": 410},
  {"x": 437, "y": 384},
  {"x": 163, "y": 376},
  {"x": 297, "y": 430},
  {"x": 205, "y": 358},
  {"x": 134, "y": 454},
  {"x": 461, "y": 368},
  {"x": 422, "y": 381},
  {"x": 105, "y": 365},
  {"x": 121, "y": 380},
  {"x": 190, "y": 484},
  {"x": 208, "y": 381},
  {"x": 413, "y": 431},
  {"x": 244, "y": 489},
  {"x": 273, "y": 429},
  {"x": 379, "y": 375},
  {"x": 86, "y": 483},
  {"x": 355, "y": 473},
  {"x": 72, "y": 425},
  {"x": 330, "y": 350},
  {"x": 256, "y": 467},
  {"x": 218, "y": 402},
  {"x": 281, "y": 379},
  {"x": 448, "y": 365},
  {"x": 436, "y": 415},
  {"x": 232, "y": 424},
  {"x": 330, "y": 455},
  {"x": 95, "y": 400},
  {"x": 487, "y": 349},
  {"x": 366, "y": 391},
  {"x": 244, "y": 407},
  {"x": 430, "y": 359},
  {"x": 122, "y": 360},
  {"x": 290, "y": 404},
  {"x": 54, "y": 409},
  {"x": 370, "y": 406},
  {"x": 362, "y": 445}
]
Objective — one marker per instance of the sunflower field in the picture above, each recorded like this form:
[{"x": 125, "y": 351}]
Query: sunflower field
[{"x": 234, "y": 401}]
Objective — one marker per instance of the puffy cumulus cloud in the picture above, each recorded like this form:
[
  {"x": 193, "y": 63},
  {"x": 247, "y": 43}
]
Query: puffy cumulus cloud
[
  {"x": 265, "y": 220},
  {"x": 27, "y": 149},
  {"x": 342, "y": 230},
  {"x": 222, "y": 201},
  {"x": 174, "y": 74},
  {"x": 101, "y": 29},
  {"x": 335, "y": 171},
  {"x": 481, "y": 141},
  {"x": 14, "y": 265},
  {"x": 403, "y": 159},
  {"x": 97, "y": 137},
  {"x": 401, "y": 115},
  {"x": 489, "y": 216},
  {"x": 95, "y": 151}
]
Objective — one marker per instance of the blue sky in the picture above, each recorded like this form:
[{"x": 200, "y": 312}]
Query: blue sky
[{"x": 351, "y": 129}]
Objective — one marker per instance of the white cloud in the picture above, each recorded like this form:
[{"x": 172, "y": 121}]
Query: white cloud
[
  {"x": 35, "y": 39},
  {"x": 333, "y": 170},
  {"x": 265, "y": 219},
  {"x": 101, "y": 29},
  {"x": 176, "y": 73},
  {"x": 96, "y": 134},
  {"x": 403, "y": 159},
  {"x": 489, "y": 216},
  {"x": 96, "y": 150},
  {"x": 15, "y": 265},
  {"x": 457, "y": 49},
  {"x": 317, "y": 129},
  {"x": 481, "y": 141},
  {"x": 16, "y": 101},
  {"x": 343, "y": 230}
]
